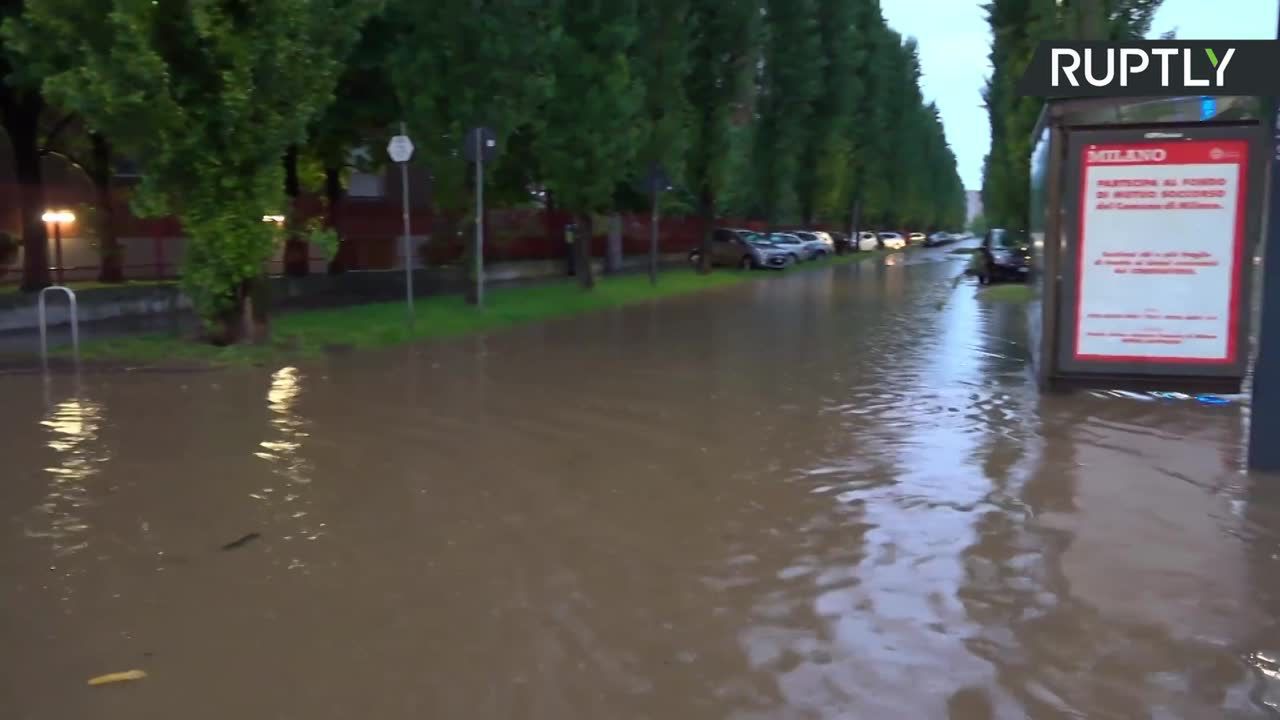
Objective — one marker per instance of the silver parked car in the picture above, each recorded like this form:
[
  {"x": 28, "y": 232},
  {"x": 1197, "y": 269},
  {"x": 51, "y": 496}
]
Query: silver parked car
[
  {"x": 818, "y": 243},
  {"x": 796, "y": 248},
  {"x": 744, "y": 249}
]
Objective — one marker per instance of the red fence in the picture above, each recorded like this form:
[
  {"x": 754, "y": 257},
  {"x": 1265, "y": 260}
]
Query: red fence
[{"x": 370, "y": 230}]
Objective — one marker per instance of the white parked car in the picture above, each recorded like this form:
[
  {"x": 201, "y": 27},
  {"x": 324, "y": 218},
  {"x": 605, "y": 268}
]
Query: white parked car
[
  {"x": 892, "y": 240},
  {"x": 916, "y": 238},
  {"x": 867, "y": 241}
]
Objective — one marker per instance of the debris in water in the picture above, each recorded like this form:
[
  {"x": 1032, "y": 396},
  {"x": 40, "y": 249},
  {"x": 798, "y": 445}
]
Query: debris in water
[
  {"x": 116, "y": 677},
  {"x": 241, "y": 541}
]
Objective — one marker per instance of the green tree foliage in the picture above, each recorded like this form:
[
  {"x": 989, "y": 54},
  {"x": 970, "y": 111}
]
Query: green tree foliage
[
  {"x": 828, "y": 161},
  {"x": 723, "y": 50},
  {"x": 457, "y": 64},
  {"x": 790, "y": 84},
  {"x": 661, "y": 64},
  {"x": 1017, "y": 27},
  {"x": 21, "y": 108},
  {"x": 843, "y": 133},
  {"x": 588, "y": 140},
  {"x": 208, "y": 95}
]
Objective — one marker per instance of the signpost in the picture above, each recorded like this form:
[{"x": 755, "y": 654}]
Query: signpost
[
  {"x": 656, "y": 182},
  {"x": 400, "y": 148},
  {"x": 481, "y": 145}
]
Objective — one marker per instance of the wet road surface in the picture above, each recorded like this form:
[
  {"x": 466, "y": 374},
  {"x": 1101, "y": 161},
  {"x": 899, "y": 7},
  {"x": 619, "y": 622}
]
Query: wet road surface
[{"x": 831, "y": 494}]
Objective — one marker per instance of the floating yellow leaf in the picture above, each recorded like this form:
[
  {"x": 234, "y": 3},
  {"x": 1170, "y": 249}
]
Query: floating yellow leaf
[{"x": 118, "y": 677}]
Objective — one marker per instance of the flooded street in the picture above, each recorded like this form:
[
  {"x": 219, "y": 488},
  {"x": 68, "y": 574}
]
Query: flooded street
[{"x": 833, "y": 494}]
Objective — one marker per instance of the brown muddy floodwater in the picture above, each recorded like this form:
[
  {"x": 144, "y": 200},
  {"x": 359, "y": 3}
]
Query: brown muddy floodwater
[{"x": 832, "y": 494}]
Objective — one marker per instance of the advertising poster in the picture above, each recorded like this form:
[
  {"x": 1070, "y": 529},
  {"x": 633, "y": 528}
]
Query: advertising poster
[{"x": 1160, "y": 252}]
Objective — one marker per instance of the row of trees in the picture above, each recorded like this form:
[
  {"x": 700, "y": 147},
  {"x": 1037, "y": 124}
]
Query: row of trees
[
  {"x": 787, "y": 111},
  {"x": 1017, "y": 27}
]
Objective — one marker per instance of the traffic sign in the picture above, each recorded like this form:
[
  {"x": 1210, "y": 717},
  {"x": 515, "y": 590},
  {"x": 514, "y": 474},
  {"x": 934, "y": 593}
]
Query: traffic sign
[
  {"x": 400, "y": 148},
  {"x": 484, "y": 139},
  {"x": 656, "y": 180}
]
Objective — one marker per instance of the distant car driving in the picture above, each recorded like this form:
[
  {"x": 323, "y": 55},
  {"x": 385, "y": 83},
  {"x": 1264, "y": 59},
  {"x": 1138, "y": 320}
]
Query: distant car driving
[
  {"x": 867, "y": 241},
  {"x": 916, "y": 238},
  {"x": 1004, "y": 256},
  {"x": 939, "y": 238},
  {"x": 744, "y": 249}
]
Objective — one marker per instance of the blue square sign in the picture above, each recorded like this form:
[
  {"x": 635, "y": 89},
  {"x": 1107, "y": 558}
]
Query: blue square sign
[{"x": 1208, "y": 107}]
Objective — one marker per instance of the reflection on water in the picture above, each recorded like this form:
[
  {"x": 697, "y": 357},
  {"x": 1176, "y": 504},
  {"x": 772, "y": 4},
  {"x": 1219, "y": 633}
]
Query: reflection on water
[
  {"x": 831, "y": 494},
  {"x": 72, "y": 427},
  {"x": 288, "y": 501}
]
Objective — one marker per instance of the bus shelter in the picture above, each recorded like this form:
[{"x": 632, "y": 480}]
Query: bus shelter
[{"x": 1146, "y": 217}]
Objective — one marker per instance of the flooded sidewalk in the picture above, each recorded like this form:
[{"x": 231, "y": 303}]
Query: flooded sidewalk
[{"x": 830, "y": 494}]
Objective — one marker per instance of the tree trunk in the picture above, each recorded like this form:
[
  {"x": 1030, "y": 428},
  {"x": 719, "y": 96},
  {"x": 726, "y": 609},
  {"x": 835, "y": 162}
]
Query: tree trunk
[
  {"x": 613, "y": 248},
  {"x": 21, "y": 112},
  {"x": 582, "y": 246},
  {"x": 332, "y": 207},
  {"x": 112, "y": 255},
  {"x": 806, "y": 210},
  {"x": 707, "y": 216},
  {"x": 246, "y": 321},
  {"x": 296, "y": 262}
]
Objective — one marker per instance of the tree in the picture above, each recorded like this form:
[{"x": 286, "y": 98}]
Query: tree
[
  {"x": 459, "y": 64},
  {"x": 208, "y": 96},
  {"x": 90, "y": 152},
  {"x": 723, "y": 50},
  {"x": 824, "y": 184},
  {"x": 791, "y": 82},
  {"x": 588, "y": 142},
  {"x": 365, "y": 104},
  {"x": 21, "y": 106},
  {"x": 661, "y": 62},
  {"x": 1017, "y": 26}
]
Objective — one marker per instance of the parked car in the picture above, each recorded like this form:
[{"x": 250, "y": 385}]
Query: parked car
[
  {"x": 843, "y": 243},
  {"x": 916, "y": 238},
  {"x": 794, "y": 246},
  {"x": 892, "y": 241},
  {"x": 818, "y": 243},
  {"x": 743, "y": 249},
  {"x": 1004, "y": 256},
  {"x": 867, "y": 241},
  {"x": 939, "y": 238}
]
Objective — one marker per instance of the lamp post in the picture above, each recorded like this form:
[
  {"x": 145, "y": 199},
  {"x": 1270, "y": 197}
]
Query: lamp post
[{"x": 57, "y": 218}]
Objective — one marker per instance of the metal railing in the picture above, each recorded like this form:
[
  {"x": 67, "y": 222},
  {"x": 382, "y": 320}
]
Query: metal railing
[{"x": 75, "y": 324}]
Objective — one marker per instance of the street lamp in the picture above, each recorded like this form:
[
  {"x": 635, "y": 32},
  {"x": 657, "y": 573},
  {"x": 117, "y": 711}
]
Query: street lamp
[{"x": 58, "y": 217}]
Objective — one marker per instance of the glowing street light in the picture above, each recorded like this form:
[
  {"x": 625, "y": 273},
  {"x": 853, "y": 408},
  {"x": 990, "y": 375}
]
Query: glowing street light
[{"x": 58, "y": 217}]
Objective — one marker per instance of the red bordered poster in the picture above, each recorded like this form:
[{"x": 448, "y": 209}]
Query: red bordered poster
[{"x": 1161, "y": 251}]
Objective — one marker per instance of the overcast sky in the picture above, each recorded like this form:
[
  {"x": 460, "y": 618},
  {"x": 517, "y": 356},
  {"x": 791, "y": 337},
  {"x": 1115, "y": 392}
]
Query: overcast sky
[{"x": 954, "y": 44}]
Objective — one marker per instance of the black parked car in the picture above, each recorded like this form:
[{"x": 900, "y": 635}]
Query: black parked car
[{"x": 1004, "y": 256}]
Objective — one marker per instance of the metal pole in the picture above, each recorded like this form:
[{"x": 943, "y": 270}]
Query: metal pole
[
  {"x": 408, "y": 256},
  {"x": 57, "y": 248},
  {"x": 653, "y": 239},
  {"x": 1264, "y": 451},
  {"x": 44, "y": 333},
  {"x": 479, "y": 219}
]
